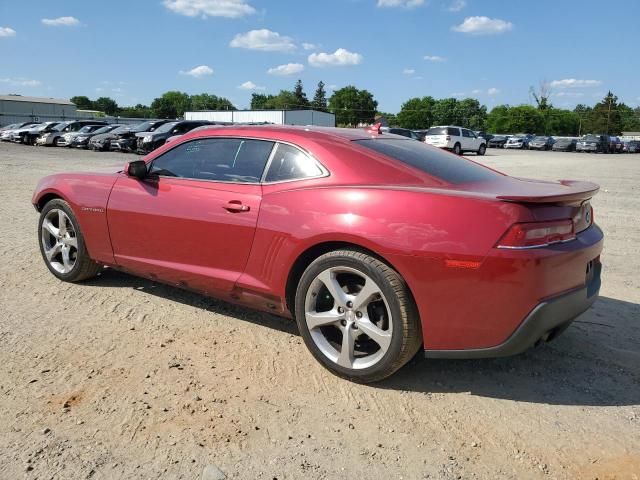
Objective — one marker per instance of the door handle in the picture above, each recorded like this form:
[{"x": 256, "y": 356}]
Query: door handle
[{"x": 236, "y": 206}]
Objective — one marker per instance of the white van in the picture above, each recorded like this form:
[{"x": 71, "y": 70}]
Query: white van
[{"x": 456, "y": 139}]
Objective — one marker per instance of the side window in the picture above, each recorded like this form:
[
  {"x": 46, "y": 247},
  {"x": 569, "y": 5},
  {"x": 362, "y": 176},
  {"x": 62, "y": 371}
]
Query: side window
[
  {"x": 215, "y": 159},
  {"x": 467, "y": 133},
  {"x": 453, "y": 131},
  {"x": 289, "y": 163}
]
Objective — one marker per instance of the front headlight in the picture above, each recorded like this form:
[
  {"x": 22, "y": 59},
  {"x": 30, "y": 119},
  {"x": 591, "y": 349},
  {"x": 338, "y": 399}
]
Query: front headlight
[
  {"x": 81, "y": 138},
  {"x": 146, "y": 139}
]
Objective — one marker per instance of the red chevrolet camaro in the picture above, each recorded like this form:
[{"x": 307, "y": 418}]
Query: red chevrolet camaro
[{"x": 376, "y": 244}]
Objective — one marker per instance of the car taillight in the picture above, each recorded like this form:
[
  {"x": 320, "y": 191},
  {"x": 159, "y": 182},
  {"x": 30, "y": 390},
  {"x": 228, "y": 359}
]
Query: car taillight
[
  {"x": 448, "y": 137},
  {"x": 537, "y": 234}
]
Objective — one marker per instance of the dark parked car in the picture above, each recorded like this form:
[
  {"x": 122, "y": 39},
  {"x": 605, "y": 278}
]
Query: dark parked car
[
  {"x": 68, "y": 138},
  {"x": 498, "y": 141},
  {"x": 593, "y": 143},
  {"x": 102, "y": 142},
  {"x": 541, "y": 142},
  {"x": 20, "y": 135},
  {"x": 632, "y": 146},
  {"x": 405, "y": 132},
  {"x": 127, "y": 140},
  {"x": 82, "y": 140},
  {"x": 615, "y": 145},
  {"x": 485, "y": 135},
  {"x": 54, "y": 137},
  {"x": 520, "y": 141},
  {"x": 147, "y": 142},
  {"x": 565, "y": 145}
]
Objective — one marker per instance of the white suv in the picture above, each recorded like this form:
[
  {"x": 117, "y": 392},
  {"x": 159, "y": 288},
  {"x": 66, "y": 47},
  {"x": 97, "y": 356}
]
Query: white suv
[{"x": 456, "y": 139}]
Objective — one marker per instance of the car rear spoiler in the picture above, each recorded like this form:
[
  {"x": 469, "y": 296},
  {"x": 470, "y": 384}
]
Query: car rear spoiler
[{"x": 553, "y": 192}]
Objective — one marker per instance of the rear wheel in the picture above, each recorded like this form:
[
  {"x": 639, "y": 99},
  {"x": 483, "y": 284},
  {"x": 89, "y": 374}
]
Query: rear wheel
[
  {"x": 62, "y": 244},
  {"x": 356, "y": 316},
  {"x": 457, "y": 149}
]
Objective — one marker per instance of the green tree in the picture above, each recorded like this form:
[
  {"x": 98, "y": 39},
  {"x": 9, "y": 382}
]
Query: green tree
[
  {"x": 138, "y": 111},
  {"x": 353, "y": 106},
  {"x": 300, "y": 97},
  {"x": 106, "y": 105},
  {"x": 605, "y": 116},
  {"x": 259, "y": 101},
  {"x": 82, "y": 102},
  {"x": 498, "y": 120},
  {"x": 319, "y": 101},
  {"x": 205, "y": 101},
  {"x": 470, "y": 114},
  {"x": 285, "y": 100},
  {"x": 520, "y": 119},
  {"x": 171, "y": 104},
  {"x": 416, "y": 113},
  {"x": 561, "y": 122}
]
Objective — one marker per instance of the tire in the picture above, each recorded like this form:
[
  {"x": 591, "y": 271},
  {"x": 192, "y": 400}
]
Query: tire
[
  {"x": 388, "y": 314},
  {"x": 77, "y": 265},
  {"x": 56, "y": 142},
  {"x": 482, "y": 150},
  {"x": 457, "y": 149}
]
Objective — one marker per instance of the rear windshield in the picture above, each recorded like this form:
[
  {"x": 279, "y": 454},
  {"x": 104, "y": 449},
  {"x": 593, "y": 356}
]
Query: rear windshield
[
  {"x": 435, "y": 162},
  {"x": 443, "y": 131}
]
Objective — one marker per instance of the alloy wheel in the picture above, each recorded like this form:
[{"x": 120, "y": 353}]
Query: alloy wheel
[
  {"x": 59, "y": 241},
  {"x": 348, "y": 317}
]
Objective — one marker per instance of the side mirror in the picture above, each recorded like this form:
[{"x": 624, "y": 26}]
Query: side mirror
[{"x": 136, "y": 169}]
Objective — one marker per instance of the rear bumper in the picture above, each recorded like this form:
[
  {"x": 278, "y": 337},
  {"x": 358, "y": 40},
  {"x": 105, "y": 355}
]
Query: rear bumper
[{"x": 544, "y": 323}]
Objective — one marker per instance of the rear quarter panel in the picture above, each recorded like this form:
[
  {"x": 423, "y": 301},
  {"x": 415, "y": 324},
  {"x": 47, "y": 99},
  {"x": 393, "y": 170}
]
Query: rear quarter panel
[{"x": 87, "y": 194}]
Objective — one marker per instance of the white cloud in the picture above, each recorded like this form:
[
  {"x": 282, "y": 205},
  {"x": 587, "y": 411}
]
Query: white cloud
[
  {"x": 408, "y": 71},
  {"x": 210, "y": 8},
  {"x": 334, "y": 86},
  {"x": 309, "y": 46},
  {"x": 458, "y": 94},
  {"x": 7, "y": 32},
  {"x": 21, "y": 82},
  {"x": 568, "y": 94},
  {"x": 198, "y": 72},
  {"x": 287, "y": 69},
  {"x": 400, "y": 3},
  {"x": 493, "y": 91},
  {"x": 99, "y": 89},
  {"x": 476, "y": 91},
  {"x": 483, "y": 26},
  {"x": 341, "y": 57},
  {"x": 574, "y": 83},
  {"x": 249, "y": 85},
  {"x": 457, "y": 5},
  {"x": 61, "y": 22},
  {"x": 434, "y": 58},
  {"x": 264, "y": 40}
]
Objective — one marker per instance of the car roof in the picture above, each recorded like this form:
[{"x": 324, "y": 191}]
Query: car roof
[{"x": 308, "y": 132}]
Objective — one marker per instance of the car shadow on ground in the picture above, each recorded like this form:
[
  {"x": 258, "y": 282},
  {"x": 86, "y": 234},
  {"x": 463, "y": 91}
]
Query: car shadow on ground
[{"x": 594, "y": 363}]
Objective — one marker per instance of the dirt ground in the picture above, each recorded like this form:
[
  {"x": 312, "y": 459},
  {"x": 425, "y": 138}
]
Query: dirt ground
[{"x": 121, "y": 377}]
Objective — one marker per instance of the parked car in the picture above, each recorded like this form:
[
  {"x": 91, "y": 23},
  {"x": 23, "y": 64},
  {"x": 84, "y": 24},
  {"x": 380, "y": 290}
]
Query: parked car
[
  {"x": 615, "y": 145},
  {"x": 541, "y": 142},
  {"x": 67, "y": 138},
  {"x": 286, "y": 220},
  {"x": 34, "y": 131},
  {"x": 456, "y": 139},
  {"x": 485, "y": 135},
  {"x": 82, "y": 140},
  {"x": 102, "y": 142},
  {"x": 127, "y": 141},
  {"x": 405, "y": 132},
  {"x": 593, "y": 143},
  {"x": 54, "y": 137},
  {"x": 498, "y": 141},
  {"x": 565, "y": 145},
  {"x": 147, "y": 142},
  {"x": 520, "y": 141},
  {"x": 6, "y": 133},
  {"x": 632, "y": 146}
]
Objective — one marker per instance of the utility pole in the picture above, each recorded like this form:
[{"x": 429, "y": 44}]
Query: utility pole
[{"x": 609, "y": 113}]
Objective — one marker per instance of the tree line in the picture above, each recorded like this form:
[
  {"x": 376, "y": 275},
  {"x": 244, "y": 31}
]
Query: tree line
[{"x": 353, "y": 107}]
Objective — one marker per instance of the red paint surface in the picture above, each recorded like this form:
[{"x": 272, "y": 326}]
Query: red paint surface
[{"x": 441, "y": 238}]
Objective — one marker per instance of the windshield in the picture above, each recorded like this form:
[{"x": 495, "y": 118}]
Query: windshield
[
  {"x": 166, "y": 127},
  {"x": 86, "y": 129},
  {"x": 122, "y": 129},
  {"x": 591, "y": 138},
  {"x": 437, "y": 131},
  {"x": 60, "y": 126},
  {"x": 541, "y": 139},
  {"x": 144, "y": 127},
  {"x": 106, "y": 129},
  {"x": 435, "y": 162}
]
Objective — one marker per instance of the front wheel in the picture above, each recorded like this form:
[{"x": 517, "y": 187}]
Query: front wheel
[
  {"x": 62, "y": 244},
  {"x": 356, "y": 316},
  {"x": 482, "y": 150}
]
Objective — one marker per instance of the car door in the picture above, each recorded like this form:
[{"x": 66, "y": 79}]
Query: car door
[
  {"x": 468, "y": 140},
  {"x": 192, "y": 221}
]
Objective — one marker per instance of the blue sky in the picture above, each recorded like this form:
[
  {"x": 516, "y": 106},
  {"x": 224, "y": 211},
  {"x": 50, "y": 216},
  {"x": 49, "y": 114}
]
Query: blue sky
[{"x": 493, "y": 50}]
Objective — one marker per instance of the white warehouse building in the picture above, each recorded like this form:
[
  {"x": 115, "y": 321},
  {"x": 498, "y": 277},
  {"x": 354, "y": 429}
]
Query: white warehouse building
[{"x": 278, "y": 117}]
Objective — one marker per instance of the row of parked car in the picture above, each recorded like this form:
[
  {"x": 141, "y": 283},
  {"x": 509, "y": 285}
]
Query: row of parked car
[
  {"x": 586, "y": 143},
  {"x": 99, "y": 135}
]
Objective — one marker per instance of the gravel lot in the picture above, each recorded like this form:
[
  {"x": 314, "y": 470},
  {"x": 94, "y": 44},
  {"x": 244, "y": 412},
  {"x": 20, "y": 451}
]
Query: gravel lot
[{"x": 124, "y": 378}]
